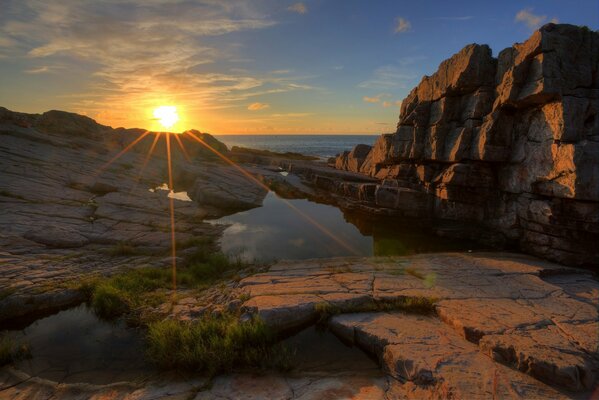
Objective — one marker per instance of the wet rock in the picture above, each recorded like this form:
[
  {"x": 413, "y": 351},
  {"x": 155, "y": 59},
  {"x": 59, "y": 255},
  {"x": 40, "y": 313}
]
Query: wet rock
[{"x": 225, "y": 187}]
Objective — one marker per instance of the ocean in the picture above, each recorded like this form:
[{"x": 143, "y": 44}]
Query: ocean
[{"x": 324, "y": 146}]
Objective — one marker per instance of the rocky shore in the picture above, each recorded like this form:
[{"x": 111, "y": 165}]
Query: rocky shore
[
  {"x": 508, "y": 144},
  {"x": 499, "y": 150}
]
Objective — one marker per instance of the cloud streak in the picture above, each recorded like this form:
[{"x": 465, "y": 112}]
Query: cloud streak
[
  {"x": 299, "y": 8},
  {"x": 531, "y": 20},
  {"x": 258, "y": 106},
  {"x": 138, "y": 57},
  {"x": 402, "y": 25}
]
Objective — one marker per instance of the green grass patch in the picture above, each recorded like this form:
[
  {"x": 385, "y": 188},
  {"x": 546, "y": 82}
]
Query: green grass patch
[
  {"x": 10, "y": 350},
  {"x": 148, "y": 286},
  {"x": 216, "y": 344},
  {"x": 412, "y": 305},
  {"x": 122, "y": 293}
]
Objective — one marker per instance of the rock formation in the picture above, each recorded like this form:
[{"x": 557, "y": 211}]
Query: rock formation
[
  {"x": 65, "y": 207},
  {"x": 502, "y": 325},
  {"x": 508, "y": 143}
]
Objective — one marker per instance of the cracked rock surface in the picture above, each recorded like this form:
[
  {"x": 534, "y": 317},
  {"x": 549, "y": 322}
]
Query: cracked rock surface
[{"x": 503, "y": 323}]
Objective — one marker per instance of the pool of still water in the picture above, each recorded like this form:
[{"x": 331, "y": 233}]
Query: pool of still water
[
  {"x": 302, "y": 229},
  {"x": 75, "y": 346}
]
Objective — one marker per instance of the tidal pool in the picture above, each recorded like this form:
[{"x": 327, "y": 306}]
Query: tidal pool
[
  {"x": 74, "y": 346},
  {"x": 312, "y": 230},
  {"x": 318, "y": 350}
]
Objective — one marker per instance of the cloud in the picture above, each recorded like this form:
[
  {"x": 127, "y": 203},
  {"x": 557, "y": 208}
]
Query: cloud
[
  {"x": 402, "y": 25},
  {"x": 299, "y": 8},
  {"x": 38, "y": 70},
  {"x": 390, "y": 77},
  {"x": 136, "y": 57},
  {"x": 257, "y": 106},
  {"x": 376, "y": 99},
  {"x": 367, "y": 99},
  {"x": 532, "y": 21},
  {"x": 291, "y": 115}
]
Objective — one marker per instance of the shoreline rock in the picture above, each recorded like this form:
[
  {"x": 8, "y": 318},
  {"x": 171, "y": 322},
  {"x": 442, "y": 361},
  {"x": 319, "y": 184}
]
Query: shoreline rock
[{"x": 510, "y": 144}]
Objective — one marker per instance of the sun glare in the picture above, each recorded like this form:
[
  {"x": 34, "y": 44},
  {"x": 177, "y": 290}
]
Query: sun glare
[{"x": 166, "y": 115}]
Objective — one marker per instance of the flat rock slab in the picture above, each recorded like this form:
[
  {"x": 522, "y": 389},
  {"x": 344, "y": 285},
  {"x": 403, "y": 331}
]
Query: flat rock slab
[
  {"x": 18, "y": 386},
  {"x": 427, "y": 353},
  {"x": 537, "y": 317}
]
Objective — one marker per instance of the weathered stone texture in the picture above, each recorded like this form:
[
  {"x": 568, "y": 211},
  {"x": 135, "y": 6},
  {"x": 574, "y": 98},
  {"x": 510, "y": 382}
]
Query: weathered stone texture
[{"x": 510, "y": 143}]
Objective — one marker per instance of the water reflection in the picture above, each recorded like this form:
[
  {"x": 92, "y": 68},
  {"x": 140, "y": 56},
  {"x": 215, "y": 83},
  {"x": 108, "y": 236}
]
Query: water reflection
[
  {"x": 183, "y": 196},
  {"x": 75, "y": 346},
  {"x": 274, "y": 231},
  {"x": 316, "y": 350}
]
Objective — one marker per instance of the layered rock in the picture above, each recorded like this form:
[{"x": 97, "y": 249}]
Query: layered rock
[
  {"x": 511, "y": 143},
  {"x": 77, "y": 199},
  {"x": 502, "y": 325}
]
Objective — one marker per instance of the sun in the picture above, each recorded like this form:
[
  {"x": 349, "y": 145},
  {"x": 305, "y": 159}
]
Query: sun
[{"x": 166, "y": 115}]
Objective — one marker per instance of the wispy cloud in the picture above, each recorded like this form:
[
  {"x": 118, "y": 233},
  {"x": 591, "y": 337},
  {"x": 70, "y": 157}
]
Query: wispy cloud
[
  {"x": 531, "y": 20},
  {"x": 291, "y": 115},
  {"x": 299, "y": 8},
  {"x": 389, "y": 77},
  {"x": 138, "y": 57},
  {"x": 367, "y": 99},
  {"x": 258, "y": 106},
  {"x": 38, "y": 70},
  {"x": 402, "y": 25},
  {"x": 376, "y": 99}
]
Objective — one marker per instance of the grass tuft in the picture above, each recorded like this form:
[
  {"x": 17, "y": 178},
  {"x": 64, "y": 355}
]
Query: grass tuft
[
  {"x": 215, "y": 344},
  {"x": 125, "y": 292},
  {"x": 11, "y": 351}
]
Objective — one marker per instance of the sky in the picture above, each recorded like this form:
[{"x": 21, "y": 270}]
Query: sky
[{"x": 237, "y": 67}]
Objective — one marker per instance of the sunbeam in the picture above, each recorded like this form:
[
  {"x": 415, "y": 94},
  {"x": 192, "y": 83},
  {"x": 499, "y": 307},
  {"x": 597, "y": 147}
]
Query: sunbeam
[
  {"x": 262, "y": 185},
  {"x": 172, "y": 212},
  {"x": 121, "y": 153},
  {"x": 183, "y": 150}
]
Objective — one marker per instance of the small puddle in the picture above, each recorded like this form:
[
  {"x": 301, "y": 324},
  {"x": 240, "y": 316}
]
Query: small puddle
[
  {"x": 183, "y": 196},
  {"x": 74, "y": 346},
  {"x": 318, "y": 350},
  {"x": 307, "y": 229}
]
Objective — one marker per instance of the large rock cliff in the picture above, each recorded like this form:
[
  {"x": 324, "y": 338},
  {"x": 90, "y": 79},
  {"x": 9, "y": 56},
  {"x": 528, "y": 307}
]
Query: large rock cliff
[{"x": 509, "y": 143}]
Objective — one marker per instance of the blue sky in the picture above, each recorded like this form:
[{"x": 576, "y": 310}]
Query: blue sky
[{"x": 265, "y": 66}]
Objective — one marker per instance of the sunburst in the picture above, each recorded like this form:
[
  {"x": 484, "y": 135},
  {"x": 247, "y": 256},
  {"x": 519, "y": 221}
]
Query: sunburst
[{"x": 169, "y": 121}]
